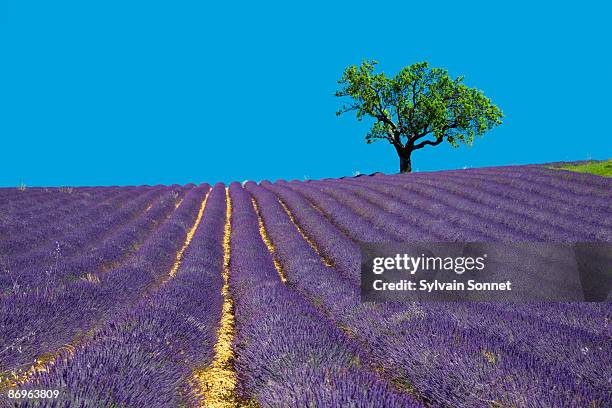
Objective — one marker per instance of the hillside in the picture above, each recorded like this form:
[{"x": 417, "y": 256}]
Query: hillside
[{"x": 157, "y": 296}]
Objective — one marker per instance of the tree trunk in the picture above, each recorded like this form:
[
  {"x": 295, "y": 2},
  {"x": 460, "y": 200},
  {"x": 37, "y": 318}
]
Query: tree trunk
[{"x": 405, "y": 163}]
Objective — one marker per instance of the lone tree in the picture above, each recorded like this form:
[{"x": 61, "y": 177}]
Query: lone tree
[{"x": 420, "y": 106}]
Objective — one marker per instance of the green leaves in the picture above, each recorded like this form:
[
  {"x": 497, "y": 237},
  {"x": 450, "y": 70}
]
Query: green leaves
[{"x": 418, "y": 104}]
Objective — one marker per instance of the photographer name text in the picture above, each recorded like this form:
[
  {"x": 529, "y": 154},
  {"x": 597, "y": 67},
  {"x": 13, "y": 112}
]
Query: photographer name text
[{"x": 434, "y": 286}]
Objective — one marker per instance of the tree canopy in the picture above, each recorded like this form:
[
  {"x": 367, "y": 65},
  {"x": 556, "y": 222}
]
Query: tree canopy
[{"x": 418, "y": 107}]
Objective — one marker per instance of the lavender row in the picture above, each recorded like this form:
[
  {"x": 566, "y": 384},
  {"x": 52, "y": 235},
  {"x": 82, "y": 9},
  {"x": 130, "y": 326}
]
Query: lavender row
[
  {"x": 591, "y": 317},
  {"x": 570, "y": 183},
  {"x": 32, "y": 213},
  {"x": 348, "y": 230},
  {"x": 144, "y": 356},
  {"x": 597, "y": 185},
  {"x": 455, "y": 219},
  {"x": 41, "y": 321},
  {"x": 46, "y": 236},
  {"x": 578, "y": 350},
  {"x": 110, "y": 251},
  {"x": 48, "y": 224},
  {"x": 465, "y": 217},
  {"x": 446, "y": 363},
  {"x": 333, "y": 245},
  {"x": 13, "y": 199},
  {"x": 468, "y": 213},
  {"x": 521, "y": 202},
  {"x": 460, "y": 366},
  {"x": 287, "y": 353},
  {"x": 18, "y": 224},
  {"x": 21, "y": 242},
  {"x": 525, "y": 193},
  {"x": 25, "y": 203},
  {"x": 412, "y": 224},
  {"x": 85, "y": 233},
  {"x": 342, "y": 217},
  {"x": 319, "y": 228},
  {"x": 558, "y": 190}
]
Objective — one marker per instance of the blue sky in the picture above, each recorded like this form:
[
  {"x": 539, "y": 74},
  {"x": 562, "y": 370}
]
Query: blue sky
[{"x": 134, "y": 92}]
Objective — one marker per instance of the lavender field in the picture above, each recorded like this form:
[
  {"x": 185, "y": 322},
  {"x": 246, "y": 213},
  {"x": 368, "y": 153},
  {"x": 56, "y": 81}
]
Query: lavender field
[{"x": 249, "y": 295}]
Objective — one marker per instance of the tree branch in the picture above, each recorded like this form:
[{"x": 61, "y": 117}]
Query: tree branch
[
  {"x": 420, "y": 135},
  {"x": 425, "y": 132},
  {"x": 381, "y": 116},
  {"x": 428, "y": 143}
]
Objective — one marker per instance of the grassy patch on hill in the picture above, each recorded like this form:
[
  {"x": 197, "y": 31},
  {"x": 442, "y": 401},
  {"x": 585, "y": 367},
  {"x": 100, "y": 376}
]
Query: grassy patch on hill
[{"x": 600, "y": 168}]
